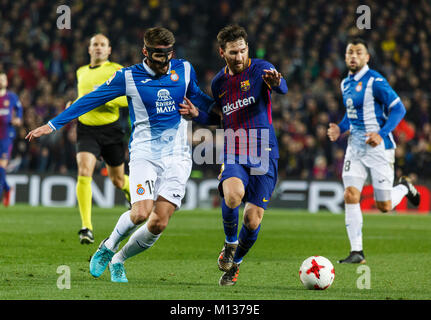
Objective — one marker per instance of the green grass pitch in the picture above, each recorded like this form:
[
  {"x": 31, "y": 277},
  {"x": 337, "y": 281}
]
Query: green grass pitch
[{"x": 182, "y": 265}]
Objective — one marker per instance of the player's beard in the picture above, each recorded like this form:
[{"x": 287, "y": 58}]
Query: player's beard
[
  {"x": 355, "y": 68},
  {"x": 238, "y": 67},
  {"x": 158, "y": 68}
]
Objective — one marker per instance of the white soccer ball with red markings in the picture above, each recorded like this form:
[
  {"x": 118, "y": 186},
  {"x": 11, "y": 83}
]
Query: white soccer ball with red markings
[{"x": 317, "y": 273}]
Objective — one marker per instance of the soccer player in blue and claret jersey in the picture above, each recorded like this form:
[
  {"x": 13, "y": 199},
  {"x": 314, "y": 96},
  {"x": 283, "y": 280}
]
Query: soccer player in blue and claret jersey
[
  {"x": 242, "y": 94},
  {"x": 10, "y": 116}
]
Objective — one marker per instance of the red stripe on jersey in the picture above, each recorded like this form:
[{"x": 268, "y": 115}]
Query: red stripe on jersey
[{"x": 268, "y": 108}]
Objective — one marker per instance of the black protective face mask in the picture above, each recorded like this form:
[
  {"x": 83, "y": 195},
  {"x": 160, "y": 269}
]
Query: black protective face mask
[{"x": 164, "y": 51}]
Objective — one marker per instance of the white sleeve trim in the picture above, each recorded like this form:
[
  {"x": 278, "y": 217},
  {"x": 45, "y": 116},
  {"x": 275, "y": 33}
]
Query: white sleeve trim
[
  {"x": 187, "y": 70},
  {"x": 394, "y": 102},
  {"x": 51, "y": 126}
]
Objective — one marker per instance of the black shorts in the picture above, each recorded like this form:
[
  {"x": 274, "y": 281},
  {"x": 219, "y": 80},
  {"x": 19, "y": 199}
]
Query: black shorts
[{"x": 105, "y": 141}]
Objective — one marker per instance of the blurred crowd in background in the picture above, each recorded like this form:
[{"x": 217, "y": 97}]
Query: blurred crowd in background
[{"x": 305, "y": 40}]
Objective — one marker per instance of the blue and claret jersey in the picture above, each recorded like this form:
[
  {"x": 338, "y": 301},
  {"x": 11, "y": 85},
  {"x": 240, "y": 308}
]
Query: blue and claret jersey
[
  {"x": 369, "y": 99},
  {"x": 244, "y": 100},
  {"x": 158, "y": 129},
  {"x": 10, "y": 107}
]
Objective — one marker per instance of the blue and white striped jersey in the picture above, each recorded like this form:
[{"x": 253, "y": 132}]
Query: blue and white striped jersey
[
  {"x": 368, "y": 98},
  {"x": 158, "y": 129}
]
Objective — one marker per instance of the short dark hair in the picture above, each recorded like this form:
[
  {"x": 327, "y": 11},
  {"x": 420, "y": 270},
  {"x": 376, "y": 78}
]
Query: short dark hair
[
  {"x": 356, "y": 41},
  {"x": 158, "y": 36},
  {"x": 231, "y": 33}
]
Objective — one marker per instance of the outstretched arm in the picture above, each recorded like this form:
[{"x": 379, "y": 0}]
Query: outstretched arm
[
  {"x": 109, "y": 90},
  {"x": 38, "y": 132}
]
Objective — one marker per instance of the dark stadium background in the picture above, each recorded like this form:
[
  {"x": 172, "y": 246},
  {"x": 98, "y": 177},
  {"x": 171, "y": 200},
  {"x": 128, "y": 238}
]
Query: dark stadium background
[{"x": 305, "y": 40}]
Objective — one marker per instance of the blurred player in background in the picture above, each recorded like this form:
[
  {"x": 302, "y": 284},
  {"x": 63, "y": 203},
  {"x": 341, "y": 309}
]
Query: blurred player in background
[
  {"x": 99, "y": 133},
  {"x": 10, "y": 116},
  {"x": 242, "y": 92},
  {"x": 373, "y": 112},
  {"x": 160, "y": 156}
]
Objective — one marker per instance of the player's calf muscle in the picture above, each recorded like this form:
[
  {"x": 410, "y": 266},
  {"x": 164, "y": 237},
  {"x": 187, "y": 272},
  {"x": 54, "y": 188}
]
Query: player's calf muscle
[
  {"x": 116, "y": 174},
  {"x": 118, "y": 181}
]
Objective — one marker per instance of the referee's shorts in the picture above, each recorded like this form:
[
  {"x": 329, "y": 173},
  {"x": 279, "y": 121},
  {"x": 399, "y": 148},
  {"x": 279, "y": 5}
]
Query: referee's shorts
[{"x": 106, "y": 141}]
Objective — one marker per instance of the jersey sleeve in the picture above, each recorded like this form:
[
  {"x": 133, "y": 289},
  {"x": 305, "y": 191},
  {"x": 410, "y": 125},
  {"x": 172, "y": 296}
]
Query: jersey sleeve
[
  {"x": 120, "y": 102},
  {"x": 215, "y": 92},
  {"x": 282, "y": 88},
  {"x": 201, "y": 100},
  {"x": 17, "y": 107},
  {"x": 111, "y": 89},
  {"x": 344, "y": 124},
  {"x": 384, "y": 93},
  {"x": 210, "y": 118}
]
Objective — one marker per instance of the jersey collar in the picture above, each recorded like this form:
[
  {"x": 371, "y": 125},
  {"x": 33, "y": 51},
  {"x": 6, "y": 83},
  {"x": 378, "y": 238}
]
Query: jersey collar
[
  {"x": 95, "y": 67},
  {"x": 151, "y": 72},
  {"x": 361, "y": 72}
]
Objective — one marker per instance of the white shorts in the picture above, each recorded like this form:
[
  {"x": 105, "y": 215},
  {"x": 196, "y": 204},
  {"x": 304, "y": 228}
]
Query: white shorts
[
  {"x": 167, "y": 178},
  {"x": 378, "y": 161}
]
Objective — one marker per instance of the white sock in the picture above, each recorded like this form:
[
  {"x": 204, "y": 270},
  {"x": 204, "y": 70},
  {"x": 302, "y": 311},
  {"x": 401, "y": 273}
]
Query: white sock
[
  {"x": 398, "y": 193},
  {"x": 122, "y": 230},
  {"x": 354, "y": 222},
  {"x": 235, "y": 242},
  {"x": 141, "y": 240}
]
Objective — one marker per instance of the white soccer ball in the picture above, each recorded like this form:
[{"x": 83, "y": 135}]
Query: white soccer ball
[{"x": 316, "y": 273}]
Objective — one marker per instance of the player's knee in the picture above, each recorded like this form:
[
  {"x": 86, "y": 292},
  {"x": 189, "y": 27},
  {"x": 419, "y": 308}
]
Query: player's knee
[
  {"x": 252, "y": 224},
  {"x": 139, "y": 217},
  {"x": 233, "y": 198},
  {"x": 140, "y": 214},
  {"x": 85, "y": 171},
  {"x": 351, "y": 195},
  {"x": 252, "y": 220},
  {"x": 157, "y": 225},
  {"x": 384, "y": 206}
]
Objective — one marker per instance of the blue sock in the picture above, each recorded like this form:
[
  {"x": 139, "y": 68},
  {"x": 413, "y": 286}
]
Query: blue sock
[
  {"x": 230, "y": 222},
  {"x": 3, "y": 185},
  {"x": 247, "y": 238}
]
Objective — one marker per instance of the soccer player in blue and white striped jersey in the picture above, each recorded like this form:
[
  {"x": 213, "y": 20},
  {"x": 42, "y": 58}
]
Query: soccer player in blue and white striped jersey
[
  {"x": 373, "y": 111},
  {"x": 160, "y": 156}
]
